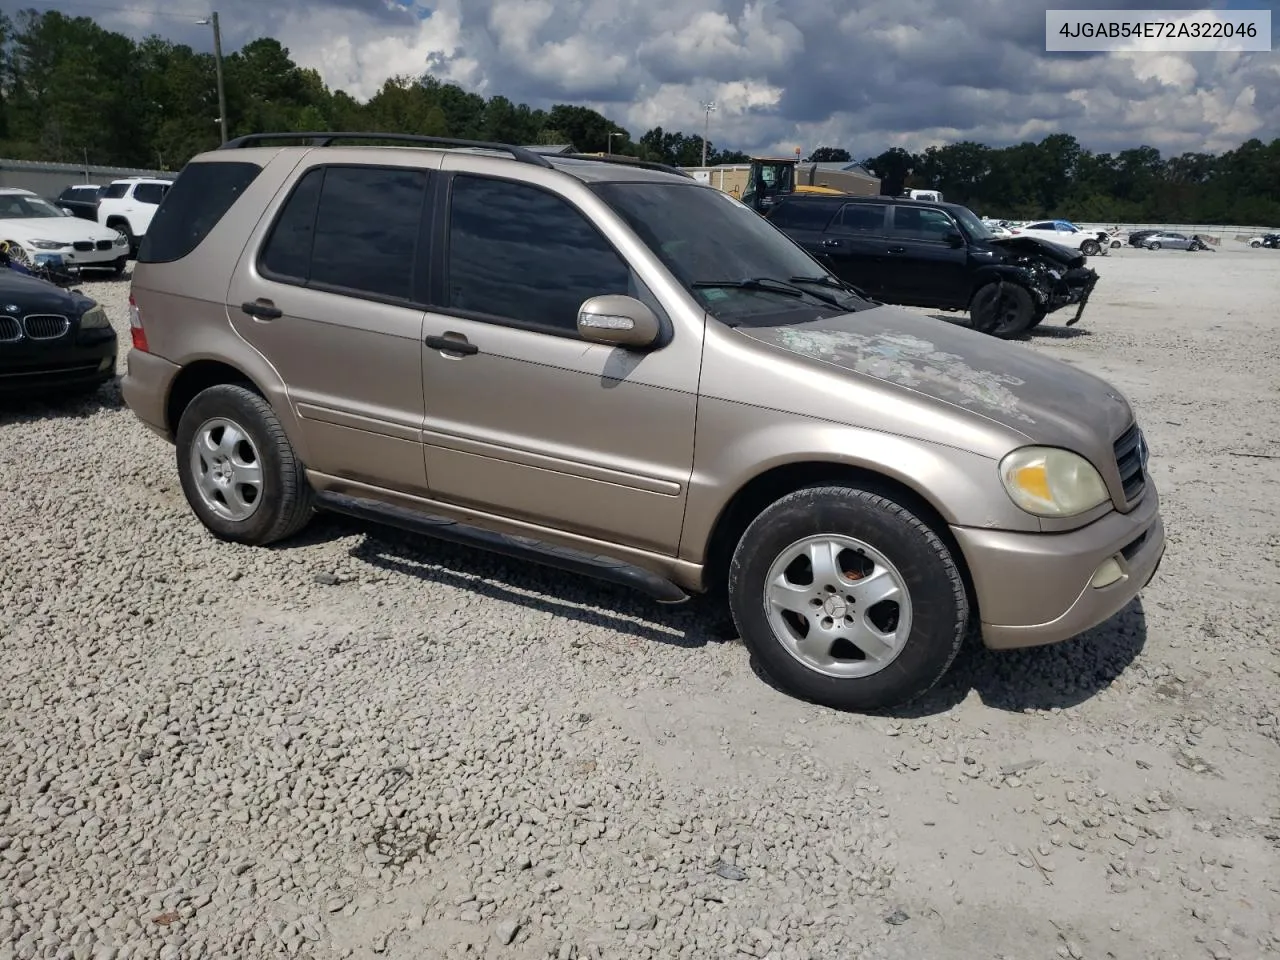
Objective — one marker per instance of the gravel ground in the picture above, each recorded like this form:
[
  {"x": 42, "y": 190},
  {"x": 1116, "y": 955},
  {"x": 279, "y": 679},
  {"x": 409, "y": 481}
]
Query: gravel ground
[{"x": 357, "y": 744}]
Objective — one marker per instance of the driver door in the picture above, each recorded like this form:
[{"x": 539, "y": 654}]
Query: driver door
[{"x": 525, "y": 419}]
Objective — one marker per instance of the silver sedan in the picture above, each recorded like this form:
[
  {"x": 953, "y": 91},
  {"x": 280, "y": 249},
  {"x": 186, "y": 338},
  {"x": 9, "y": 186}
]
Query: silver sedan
[{"x": 1173, "y": 241}]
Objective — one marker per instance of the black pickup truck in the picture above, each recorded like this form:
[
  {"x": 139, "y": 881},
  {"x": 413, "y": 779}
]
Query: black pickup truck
[
  {"x": 932, "y": 254},
  {"x": 81, "y": 199}
]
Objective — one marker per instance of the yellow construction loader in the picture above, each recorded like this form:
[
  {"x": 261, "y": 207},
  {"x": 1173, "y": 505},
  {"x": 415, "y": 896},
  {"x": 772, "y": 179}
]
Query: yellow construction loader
[{"x": 771, "y": 178}]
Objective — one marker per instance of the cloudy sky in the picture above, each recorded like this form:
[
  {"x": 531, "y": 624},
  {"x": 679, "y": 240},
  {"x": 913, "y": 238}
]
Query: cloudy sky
[{"x": 864, "y": 75}]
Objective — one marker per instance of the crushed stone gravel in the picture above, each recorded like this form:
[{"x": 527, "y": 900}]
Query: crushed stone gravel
[{"x": 358, "y": 744}]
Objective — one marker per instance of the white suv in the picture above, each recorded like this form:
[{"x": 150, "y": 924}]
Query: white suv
[{"x": 128, "y": 205}]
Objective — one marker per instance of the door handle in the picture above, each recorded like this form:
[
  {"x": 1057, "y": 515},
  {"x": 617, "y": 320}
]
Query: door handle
[
  {"x": 262, "y": 310},
  {"x": 897, "y": 249},
  {"x": 455, "y": 344}
]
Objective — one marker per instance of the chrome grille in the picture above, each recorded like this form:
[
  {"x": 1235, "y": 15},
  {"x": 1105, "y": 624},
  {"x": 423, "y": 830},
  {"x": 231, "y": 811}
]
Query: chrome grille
[
  {"x": 1129, "y": 459},
  {"x": 104, "y": 244},
  {"x": 46, "y": 326},
  {"x": 9, "y": 329},
  {"x": 83, "y": 245}
]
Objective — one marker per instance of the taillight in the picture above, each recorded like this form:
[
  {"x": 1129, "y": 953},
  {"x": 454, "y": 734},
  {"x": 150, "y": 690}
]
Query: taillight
[{"x": 135, "y": 326}]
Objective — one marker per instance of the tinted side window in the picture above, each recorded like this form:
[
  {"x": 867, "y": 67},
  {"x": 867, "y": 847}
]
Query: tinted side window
[
  {"x": 115, "y": 191},
  {"x": 521, "y": 253},
  {"x": 149, "y": 192},
  {"x": 287, "y": 253},
  {"x": 353, "y": 228},
  {"x": 1042, "y": 226},
  {"x": 367, "y": 230},
  {"x": 860, "y": 218},
  {"x": 921, "y": 223},
  {"x": 801, "y": 214},
  {"x": 192, "y": 207}
]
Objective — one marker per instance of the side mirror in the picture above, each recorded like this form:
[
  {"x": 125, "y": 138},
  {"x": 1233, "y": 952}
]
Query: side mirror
[
  {"x": 619, "y": 321},
  {"x": 954, "y": 238}
]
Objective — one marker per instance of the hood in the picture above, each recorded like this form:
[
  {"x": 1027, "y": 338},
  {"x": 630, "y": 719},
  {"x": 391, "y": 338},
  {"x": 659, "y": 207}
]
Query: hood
[
  {"x": 20, "y": 293},
  {"x": 69, "y": 229},
  {"x": 1044, "y": 400},
  {"x": 1067, "y": 256}
]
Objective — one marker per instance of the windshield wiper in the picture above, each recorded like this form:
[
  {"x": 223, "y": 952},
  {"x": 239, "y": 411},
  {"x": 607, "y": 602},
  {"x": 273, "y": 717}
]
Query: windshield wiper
[
  {"x": 833, "y": 282},
  {"x": 769, "y": 284}
]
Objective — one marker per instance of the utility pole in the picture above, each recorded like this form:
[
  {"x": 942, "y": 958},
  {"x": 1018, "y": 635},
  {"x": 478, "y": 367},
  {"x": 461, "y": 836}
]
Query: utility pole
[
  {"x": 612, "y": 134},
  {"x": 217, "y": 65},
  {"x": 706, "y": 130}
]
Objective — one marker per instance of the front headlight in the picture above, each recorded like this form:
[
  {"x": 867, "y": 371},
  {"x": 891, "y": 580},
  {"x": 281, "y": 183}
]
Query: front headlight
[
  {"x": 47, "y": 244},
  {"x": 1051, "y": 482},
  {"x": 95, "y": 318}
]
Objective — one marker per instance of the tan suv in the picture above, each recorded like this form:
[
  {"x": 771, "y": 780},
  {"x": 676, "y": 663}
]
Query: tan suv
[{"x": 628, "y": 374}]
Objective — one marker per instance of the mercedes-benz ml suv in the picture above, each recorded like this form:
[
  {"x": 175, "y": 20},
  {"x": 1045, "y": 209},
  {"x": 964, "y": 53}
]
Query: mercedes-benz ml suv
[{"x": 628, "y": 374}]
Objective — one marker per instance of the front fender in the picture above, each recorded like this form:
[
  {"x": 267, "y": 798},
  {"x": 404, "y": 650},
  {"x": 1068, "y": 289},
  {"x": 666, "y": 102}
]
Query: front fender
[{"x": 739, "y": 443}]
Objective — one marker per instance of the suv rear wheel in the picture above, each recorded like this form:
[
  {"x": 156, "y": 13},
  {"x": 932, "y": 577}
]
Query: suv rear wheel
[
  {"x": 238, "y": 470},
  {"x": 847, "y": 599}
]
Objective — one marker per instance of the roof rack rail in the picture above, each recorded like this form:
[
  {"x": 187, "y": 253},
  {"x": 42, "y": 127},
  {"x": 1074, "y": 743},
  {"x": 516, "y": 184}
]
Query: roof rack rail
[
  {"x": 625, "y": 161},
  {"x": 324, "y": 138}
]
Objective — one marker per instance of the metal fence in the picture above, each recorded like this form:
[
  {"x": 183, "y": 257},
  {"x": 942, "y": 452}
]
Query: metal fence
[{"x": 49, "y": 179}]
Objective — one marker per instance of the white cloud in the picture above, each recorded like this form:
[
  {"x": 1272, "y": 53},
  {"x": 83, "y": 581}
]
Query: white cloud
[{"x": 783, "y": 72}]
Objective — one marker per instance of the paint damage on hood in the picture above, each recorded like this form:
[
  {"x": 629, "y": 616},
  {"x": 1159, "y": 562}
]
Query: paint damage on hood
[
  {"x": 911, "y": 362},
  {"x": 1044, "y": 399}
]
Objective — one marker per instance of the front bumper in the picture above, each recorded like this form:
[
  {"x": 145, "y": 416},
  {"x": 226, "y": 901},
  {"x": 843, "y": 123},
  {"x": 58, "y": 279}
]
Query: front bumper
[
  {"x": 1075, "y": 287},
  {"x": 1034, "y": 589},
  {"x": 81, "y": 359},
  {"x": 94, "y": 259},
  {"x": 145, "y": 389}
]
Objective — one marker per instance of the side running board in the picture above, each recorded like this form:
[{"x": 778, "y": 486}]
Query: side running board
[{"x": 521, "y": 548}]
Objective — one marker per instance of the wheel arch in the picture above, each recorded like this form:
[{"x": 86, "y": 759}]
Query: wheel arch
[
  {"x": 199, "y": 375},
  {"x": 772, "y": 484}
]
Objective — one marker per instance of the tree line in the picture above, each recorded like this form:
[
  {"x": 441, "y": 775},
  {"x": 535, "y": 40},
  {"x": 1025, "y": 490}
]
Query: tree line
[{"x": 74, "y": 92}]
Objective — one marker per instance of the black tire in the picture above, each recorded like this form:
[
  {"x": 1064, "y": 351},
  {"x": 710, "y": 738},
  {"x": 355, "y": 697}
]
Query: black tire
[
  {"x": 1037, "y": 317},
  {"x": 119, "y": 267},
  {"x": 286, "y": 501},
  {"x": 1153, "y": 245},
  {"x": 1255, "y": 244},
  {"x": 1007, "y": 316},
  {"x": 1090, "y": 248},
  {"x": 1115, "y": 244},
  {"x": 939, "y": 606}
]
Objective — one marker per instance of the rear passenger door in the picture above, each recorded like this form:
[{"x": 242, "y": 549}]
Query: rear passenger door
[
  {"x": 923, "y": 268},
  {"x": 854, "y": 244},
  {"x": 804, "y": 220},
  {"x": 330, "y": 291}
]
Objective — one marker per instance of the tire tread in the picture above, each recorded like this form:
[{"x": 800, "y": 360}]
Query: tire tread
[
  {"x": 811, "y": 496},
  {"x": 297, "y": 499}
]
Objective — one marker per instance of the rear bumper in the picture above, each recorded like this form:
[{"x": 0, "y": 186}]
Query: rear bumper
[
  {"x": 145, "y": 389},
  {"x": 39, "y": 367},
  {"x": 1035, "y": 589}
]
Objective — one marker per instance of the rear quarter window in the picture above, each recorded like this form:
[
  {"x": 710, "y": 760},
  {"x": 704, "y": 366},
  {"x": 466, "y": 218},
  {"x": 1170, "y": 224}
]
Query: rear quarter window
[
  {"x": 198, "y": 199},
  {"x": 802, "y": 215},
  {"x": 149, "y": 192},
  {"x": 115, "y": 191}
]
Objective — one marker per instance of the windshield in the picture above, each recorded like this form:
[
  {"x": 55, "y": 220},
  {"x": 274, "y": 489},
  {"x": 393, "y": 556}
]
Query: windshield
[
  {"x": 705, "y": 237},
  {"x": 17, "y": 207},
  {"x": 969, "y": 222}
]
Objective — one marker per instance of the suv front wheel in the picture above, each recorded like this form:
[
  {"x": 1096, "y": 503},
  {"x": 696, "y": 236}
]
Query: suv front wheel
[
  {"x": 847, "y": 599},
  {"x": 238, "y": 470}
]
